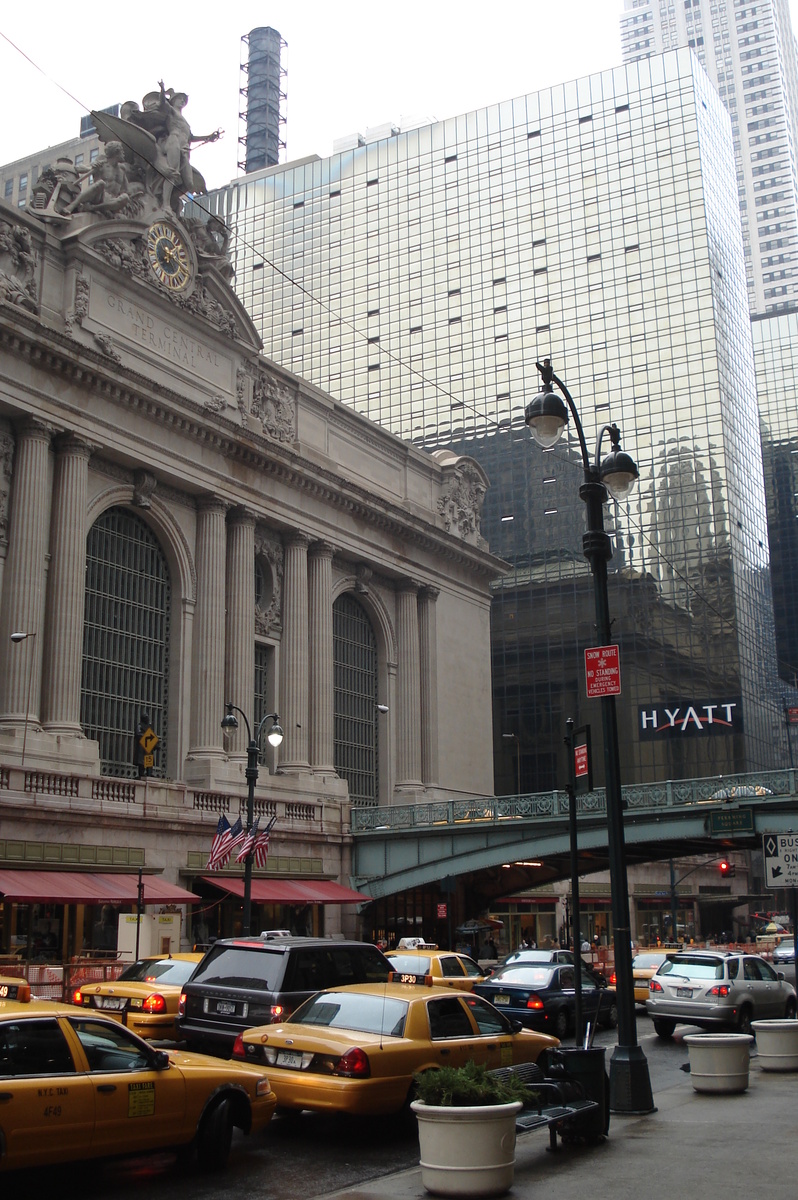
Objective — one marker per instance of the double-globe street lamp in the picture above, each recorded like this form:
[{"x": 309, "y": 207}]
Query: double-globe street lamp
[
  {"x": 547, "y": 417},
  {"x": 274, "y": 737}
]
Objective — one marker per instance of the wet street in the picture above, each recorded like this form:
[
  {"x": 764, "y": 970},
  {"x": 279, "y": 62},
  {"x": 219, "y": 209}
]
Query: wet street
[{"x": 303, "y": 1156}]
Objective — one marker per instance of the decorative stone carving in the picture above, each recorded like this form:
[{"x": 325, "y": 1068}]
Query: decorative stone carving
[
  {"x": 241, "y": 390},
  {"x": 107, "y": 346},
  {"x": 130, "y": 256},
  {"x": 144, "y": 484},
  {"x": 202, "y": 304},
  {"x": 114, "y": 187},
  {"x": 273, "y": 405},
  {"x": 363, "y": 575},
  {"x": 211, "y": 239},
  {"x": 79, "y": 310},
  {"x": 6, "y": 472},
  {"x": 463, "y": 494},
  {"x": 268, "y": 615},
  {"x": 215, "y": 404},
  {"x": 18, "y": 261}
]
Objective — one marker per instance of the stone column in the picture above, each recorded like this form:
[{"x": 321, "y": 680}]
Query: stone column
[
  {"x": 25, "y": 577},
  {"x": 294, "y": 656},
  {"x": 240, "y": 674},
  {"x": 66, "y": 585},
  {"x": 322, "y": 757},
  {"x": 408, "y": 688},
  {"x": 428, "y": 653},
  {"x": 6, "y": 474},
  {"x": 207, "y": 651}
]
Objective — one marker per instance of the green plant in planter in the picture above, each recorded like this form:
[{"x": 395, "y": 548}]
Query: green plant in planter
[{"x": 469, "y": 1086}]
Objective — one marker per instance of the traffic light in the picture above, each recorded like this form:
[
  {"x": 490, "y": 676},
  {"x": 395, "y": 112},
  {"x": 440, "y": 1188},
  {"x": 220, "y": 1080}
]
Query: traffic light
[{"x": 725, "y": 867}]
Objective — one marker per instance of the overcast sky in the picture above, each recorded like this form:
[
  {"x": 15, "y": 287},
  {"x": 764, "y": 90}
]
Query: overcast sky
[{"x": 351, "y": 64}]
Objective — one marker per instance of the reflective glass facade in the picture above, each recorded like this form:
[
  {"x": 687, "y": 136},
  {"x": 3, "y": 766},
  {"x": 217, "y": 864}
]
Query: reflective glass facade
[
  {"x": 419, "y": 278},
  {"x": 776, "y": 358}
]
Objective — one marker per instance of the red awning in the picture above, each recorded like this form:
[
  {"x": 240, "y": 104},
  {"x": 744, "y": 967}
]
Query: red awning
[
  {"x": 290, "y": 891},
  {"x": 79, "y": 887}
]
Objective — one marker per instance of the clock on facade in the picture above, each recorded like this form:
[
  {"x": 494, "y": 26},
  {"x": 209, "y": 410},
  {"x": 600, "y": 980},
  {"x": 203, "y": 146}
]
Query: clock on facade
[{"x": 169, "y": 256}]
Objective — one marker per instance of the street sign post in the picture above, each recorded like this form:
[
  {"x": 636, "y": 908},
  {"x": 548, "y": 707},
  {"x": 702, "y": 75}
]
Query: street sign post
[
  {"x": 780, "y": 851},
  {"x": 602, "y": 672}
]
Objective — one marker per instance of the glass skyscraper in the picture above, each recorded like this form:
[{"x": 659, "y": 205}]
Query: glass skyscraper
[{"x": 418, "y": 279}]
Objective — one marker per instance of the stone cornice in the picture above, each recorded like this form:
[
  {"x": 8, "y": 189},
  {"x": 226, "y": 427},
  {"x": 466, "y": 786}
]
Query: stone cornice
[{"x": 23, "y": 336}]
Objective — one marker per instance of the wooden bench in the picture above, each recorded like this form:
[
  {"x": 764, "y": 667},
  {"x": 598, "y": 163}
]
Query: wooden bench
[{"x": 562, "y": 1106}]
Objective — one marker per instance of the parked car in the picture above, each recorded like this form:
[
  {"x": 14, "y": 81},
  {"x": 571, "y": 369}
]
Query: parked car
[
  {"x": 717, "y": 988},
  {"x": 557, "y": 956},
  {"x": 446, "y": 967},
  {"x": 78, "y": 1085},
  {"x": 355, "y": 1049},
  {"x": 542, "y": 996},
  {"x": 145, "y": 996},
  {"x": 242, "y": 982},
  {"x": 645, "y": 965},
  {"x": 784, "y": 952}
]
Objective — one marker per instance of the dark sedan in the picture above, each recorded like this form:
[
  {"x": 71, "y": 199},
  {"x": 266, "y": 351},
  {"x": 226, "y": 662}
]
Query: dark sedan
[{"x": 542, "y": 996}]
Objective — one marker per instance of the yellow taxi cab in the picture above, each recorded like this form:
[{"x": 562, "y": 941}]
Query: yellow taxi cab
[
  {"x": 75, "y": 1086},
  {"x": 355, "y": 1049},
  {"x": 145, "y": 996},
  {"x": 447, "y": 967},
  {"x": 645, "y": 966}
]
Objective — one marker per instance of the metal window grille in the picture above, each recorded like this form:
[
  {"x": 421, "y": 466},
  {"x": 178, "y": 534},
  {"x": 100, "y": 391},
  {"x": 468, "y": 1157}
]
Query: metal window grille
[
  {"x": 125, "y": 639},
  {"x": 355, "y": 675},
  {"x": 261, "y": 705}
]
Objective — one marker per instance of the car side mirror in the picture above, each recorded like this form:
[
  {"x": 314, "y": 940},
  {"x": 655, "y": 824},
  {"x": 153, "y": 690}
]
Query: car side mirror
[
  {"x": 160, "y": 1060},
  {"x": 781, "y": 975},
  {"x": 515, "y": 1025}
]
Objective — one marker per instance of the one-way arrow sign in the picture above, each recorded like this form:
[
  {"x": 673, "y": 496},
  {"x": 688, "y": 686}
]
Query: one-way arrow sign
[{"x": 781, "y": 859}]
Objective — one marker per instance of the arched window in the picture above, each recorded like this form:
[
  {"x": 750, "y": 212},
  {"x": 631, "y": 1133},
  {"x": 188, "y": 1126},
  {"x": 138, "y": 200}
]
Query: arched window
[
  {"x": 125, "y": 639},
  {"x": 355, "y": 660}
]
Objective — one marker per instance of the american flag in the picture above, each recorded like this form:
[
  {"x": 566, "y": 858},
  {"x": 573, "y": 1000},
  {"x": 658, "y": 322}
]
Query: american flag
[
  {"x": 261, "y": 848},
  {"x": 225, "y": 839},
  {"x": 218, "y": 844},
  {"x": 248, "y": 842}
]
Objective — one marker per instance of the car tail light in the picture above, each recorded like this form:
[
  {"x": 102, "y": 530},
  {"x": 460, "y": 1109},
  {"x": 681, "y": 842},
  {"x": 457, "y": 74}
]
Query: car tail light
[
  {"x": 238, "y": 1047},
  {"x": 653, "y": 986},
  {"x": 535, "y": 1002},
  {"x": 720, "y": 989},
  {"x": 278, "y": 1012},
  {"x": 613, "y": 979},
  {"x": 181, "y": 1005},
  {"x": 154, "y": 1003},
  {"x": 77, "y": 996},
  {"x": 354, "y": 1064}
]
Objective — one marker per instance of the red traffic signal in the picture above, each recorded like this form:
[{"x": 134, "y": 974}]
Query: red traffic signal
[{"x": 725, "y": 867}]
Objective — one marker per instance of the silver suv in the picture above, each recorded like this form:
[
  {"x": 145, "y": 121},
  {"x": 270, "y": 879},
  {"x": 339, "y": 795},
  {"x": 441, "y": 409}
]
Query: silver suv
[{"x": 712, "y": 988}]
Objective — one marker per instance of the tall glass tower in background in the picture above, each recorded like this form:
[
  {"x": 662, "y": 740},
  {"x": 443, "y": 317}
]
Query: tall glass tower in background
[
  {"x": 749, "y": 52},
  {"x": 419, "y": 277}
]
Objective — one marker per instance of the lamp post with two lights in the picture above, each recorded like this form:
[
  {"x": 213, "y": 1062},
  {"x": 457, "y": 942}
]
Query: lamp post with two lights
[
  {"x": 547, "y": 416},
  {"x": 275, "y": 737}
]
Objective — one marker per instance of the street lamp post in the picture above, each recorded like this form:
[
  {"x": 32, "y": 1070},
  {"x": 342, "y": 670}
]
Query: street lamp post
[
  {"x": 275, "y": 737},
  {"x": 547, "y": 416},
  {"x": 16, "y": 638}
]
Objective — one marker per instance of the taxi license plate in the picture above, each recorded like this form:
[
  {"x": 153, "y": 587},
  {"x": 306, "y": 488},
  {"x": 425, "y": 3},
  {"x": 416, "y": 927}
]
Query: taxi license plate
[
  {"x": 686, "y": 992},
  {"x": 501, "y": 999},
  {"x": 289, "y": 1058},
  {"x": 112, "y": 1002}
]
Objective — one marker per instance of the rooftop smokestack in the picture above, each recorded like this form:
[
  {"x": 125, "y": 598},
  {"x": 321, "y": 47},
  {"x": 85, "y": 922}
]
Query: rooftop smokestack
[{"x": 261, "y": 79}]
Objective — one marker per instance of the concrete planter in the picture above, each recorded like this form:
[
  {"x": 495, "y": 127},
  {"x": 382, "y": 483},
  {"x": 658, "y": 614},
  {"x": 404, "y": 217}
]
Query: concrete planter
[
  {"x": 467, "y": 1151},
  {"x": 719, "y": 1062},
  {"x": 777, "y": 1043}
]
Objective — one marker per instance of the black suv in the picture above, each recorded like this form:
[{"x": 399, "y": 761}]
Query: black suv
[{"x": 243, "y": 982}]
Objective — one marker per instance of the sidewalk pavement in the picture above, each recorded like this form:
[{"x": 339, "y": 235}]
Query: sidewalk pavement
[{"x": 737, "y": 1146}]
